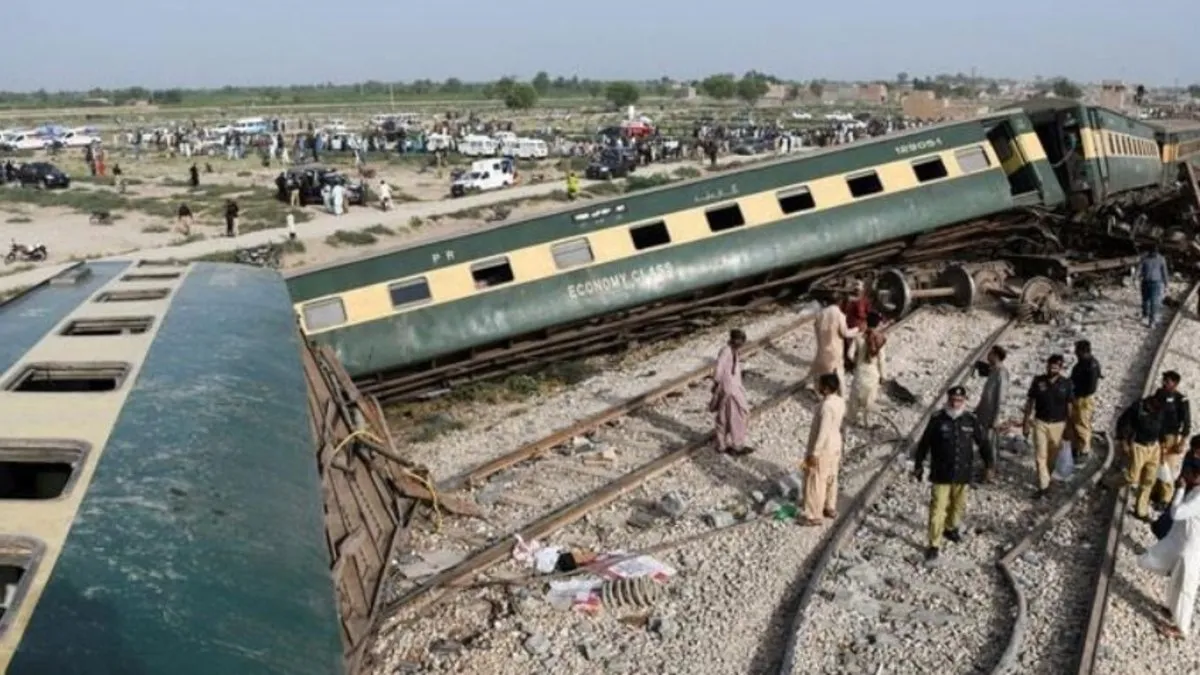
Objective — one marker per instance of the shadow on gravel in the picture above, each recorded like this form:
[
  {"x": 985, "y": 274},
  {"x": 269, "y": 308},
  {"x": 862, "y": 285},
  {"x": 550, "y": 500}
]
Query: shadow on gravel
[
  {"x": 788, "y": 357},
  {"x": 1134, "y": 597}
]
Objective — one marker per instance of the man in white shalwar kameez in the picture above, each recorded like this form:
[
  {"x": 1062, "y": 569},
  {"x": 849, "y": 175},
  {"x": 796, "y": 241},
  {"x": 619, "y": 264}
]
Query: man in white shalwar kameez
[
  {"x": 831, "y": 332},
  {"x": 1178, "y": 554}
]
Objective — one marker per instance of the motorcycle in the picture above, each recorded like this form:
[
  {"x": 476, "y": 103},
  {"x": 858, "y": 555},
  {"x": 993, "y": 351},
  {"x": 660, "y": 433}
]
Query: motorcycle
[{"x": 23, "y": 253}]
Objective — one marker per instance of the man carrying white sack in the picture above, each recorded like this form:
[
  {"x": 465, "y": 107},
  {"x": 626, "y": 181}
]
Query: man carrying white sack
[{"x": 1178, "y": 555}]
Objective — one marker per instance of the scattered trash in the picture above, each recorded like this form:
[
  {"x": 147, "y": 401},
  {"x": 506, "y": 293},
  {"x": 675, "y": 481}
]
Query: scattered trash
[
  {"x": 899, "y": 393},
  {"x": 642, "y": 519},
  {"x": 637, "y": 592},
  {"x": 790, "y": 486},
  {"x": 757, "y": 497},
  {"x": 1064, "y": 465},
  {"x": 672, "y": 505},
  {"x": 537, "y": 644},
  {"x": 665, "y": 626},
  {"x": 786, "y": 512},
  {"x": 720, "y": 519}
]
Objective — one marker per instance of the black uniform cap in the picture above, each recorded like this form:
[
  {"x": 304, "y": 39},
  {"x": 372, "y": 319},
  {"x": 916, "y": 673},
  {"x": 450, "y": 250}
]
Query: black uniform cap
[{"x": 957, "y": 391}]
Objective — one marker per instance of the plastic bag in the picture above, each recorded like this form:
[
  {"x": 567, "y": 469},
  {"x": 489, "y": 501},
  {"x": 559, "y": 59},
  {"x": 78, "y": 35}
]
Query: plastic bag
[
  {"x": 1064, "y": 466},
  {"x": 1165, "y": 475}
]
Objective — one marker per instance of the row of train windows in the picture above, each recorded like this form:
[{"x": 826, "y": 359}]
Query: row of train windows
[
  {"x": 576, "y": 252},
  {"x": 1129, "y": 145}
]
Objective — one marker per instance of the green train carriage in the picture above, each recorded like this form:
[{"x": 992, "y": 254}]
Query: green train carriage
[
  {"x": 1179, "y": 143},
  {"x": 1097, "y": 154},
  {"x": 160, "y": 506},
  {"x": 402, "y": 310}
]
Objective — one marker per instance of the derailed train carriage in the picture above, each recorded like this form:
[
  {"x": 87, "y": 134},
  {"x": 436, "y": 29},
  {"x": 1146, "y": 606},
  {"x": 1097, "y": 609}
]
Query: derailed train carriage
[
  {"x": 644, "y": 265},
  {"x": 165, "y": 505}
]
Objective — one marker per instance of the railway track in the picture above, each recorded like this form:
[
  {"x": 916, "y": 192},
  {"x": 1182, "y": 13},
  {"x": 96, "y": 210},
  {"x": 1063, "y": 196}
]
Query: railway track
[
  {"x": 872, "y": 606},
  {"x": 780, "y": 406},
  {"x": 1134, "y": 630}
]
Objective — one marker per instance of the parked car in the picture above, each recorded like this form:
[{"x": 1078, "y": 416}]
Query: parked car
[
  {"x": 484, "y": 175},
  {"x": 76, "y": 138},
  {"x": 311, "y": 179},
  {"x": 43, "y": 174},
  {"x": 611, "y": 163},
  {"x": 23, "y": 141}
]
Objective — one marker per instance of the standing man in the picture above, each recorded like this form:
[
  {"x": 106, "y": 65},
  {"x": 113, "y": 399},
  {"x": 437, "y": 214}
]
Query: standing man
[
  {"x": 831, "y": 329},
  {"x": 1085, "y": 378},
  {"x": 950, "y": 440},
  {"x": 991, "y": 400},
  {"x": 1177, "y": 424},
  {"x": 1152, "y": 271},
  {"x": 729, "y": 406},
  {"x": 870, "y": 370},
  {"x": 824, "y": 453},
  {"x": 231, "y": 217},
  {"x": 1047, "y": 409},
  {"x": 1139, "y": 430},
  {"x": 856, "y": 310},
  {"x": 1178, "y": 554}
]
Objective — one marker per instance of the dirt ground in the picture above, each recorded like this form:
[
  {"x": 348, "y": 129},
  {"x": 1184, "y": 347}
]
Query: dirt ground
[{"x": 143, "y": 214}]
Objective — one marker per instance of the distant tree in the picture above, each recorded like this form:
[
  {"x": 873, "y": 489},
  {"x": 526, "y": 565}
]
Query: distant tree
[
  {"x": 622, "y": 94},
  {"x": 175, "y": 96},
  {"x": 520, "y": 96},
  {"x": 1064, "y": 88},
  {"x": 1140, "y": 96},
  {"x": 594, "y": 89},
  {"x": 1194, "y": 90},
  {"x": 793, "y": 92},
  {"x": 993, "y": 88},
  {"x": 752, "y": 87},
  {"x": 541, "y": 82},
  {"x": 902, "y": 77},
  {"x": 452, "y": 85},
  {"x": 816, "y": 88},
  {"x": 720, "y": 87}
]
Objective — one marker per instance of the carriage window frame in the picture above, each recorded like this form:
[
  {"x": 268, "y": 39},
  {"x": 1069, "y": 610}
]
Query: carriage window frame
[
  {"x": 71, "y": 453},
  {"x": 565, "y": 253},
  {"x": 418, "y": 282},
  {"x": 51, "y": 375},
  {"x": 972, "y": 154},
  {"x": 500, "y": 262},
  {"x": 306, "y": 308},
  {"x": 801, "y": 193},
  {"x": 724, "y": 217},
  {"x": 864, "y": 184},
  {"x": 658, "y": 235},
  {"x": 935, "y": 161},
  {"x": 27, "y": 554}
]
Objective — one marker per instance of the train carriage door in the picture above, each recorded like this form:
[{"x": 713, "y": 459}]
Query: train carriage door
[
  {"x": 1100, "y": 152},
  {"x": 1021, "y": 178}
]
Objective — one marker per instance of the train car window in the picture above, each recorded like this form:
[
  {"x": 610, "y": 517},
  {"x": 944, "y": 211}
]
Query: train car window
[
  {"x": 69, "y": 378},
  {"x": 140, "y": 295},
  {"x": 411, "y": 292},
  {"x": 796, "y": 200},
  {"x": 152, "y": 276},
  {"x": 38, "y": 470},
  {"x": 724, "y": 218},
  {"x": 1111, "y": 150},
  {"x": 117, "y": 325},
  {"x": 324, "y": 314},
  {"x": 649, "y": 236},
  {"x": 17, "y": 566},
  {"x": 493, "y": 272},
  {"x": 864, "y": 184},
  {"x": 929, "y": 169},
  {"x": 572, "y": 253},
  {"x": 971, "y": 159}
]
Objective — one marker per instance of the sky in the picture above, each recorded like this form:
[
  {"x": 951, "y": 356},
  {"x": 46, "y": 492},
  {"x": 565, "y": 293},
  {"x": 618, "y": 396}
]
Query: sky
[{"x": 172, "y": 43}]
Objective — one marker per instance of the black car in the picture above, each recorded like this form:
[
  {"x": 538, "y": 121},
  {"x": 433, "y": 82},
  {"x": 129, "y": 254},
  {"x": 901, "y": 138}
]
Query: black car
[
  {"x": 311, "y": 179},
  {"x": 42, "y": 174},
  {"x": 611, "y": 163}
]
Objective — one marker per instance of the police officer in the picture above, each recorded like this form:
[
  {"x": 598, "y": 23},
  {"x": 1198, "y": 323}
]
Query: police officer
[
  {"x": 1085, "y": 379},
  {"x": 949, "y": 442},
  {"x": 1177, "y": 424},
  {"x": 1047, "y": 409},
  {"x": 1139, "y": 430}
]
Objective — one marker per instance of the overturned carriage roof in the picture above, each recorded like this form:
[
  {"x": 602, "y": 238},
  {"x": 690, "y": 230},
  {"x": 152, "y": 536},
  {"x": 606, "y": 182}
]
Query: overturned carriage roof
[{"x": 190, "y": 537}]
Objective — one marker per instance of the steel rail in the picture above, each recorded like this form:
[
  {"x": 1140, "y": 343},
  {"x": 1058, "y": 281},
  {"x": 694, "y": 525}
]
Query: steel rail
[
  {"x": 849, "y": 522},
  {"x": 567, "y": 514},
  {"x": 1116, "y": 525},
  {"x": 557, "y": 438}
]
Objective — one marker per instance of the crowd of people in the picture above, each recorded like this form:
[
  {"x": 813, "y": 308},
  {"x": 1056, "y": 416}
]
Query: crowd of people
[{"x": 958, "y": 447}]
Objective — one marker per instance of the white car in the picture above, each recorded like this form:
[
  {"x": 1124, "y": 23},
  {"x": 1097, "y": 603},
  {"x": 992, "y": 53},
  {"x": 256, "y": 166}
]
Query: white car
[
  {"x": 23, "y": 141},
  {"x": 76, "y": 139}
]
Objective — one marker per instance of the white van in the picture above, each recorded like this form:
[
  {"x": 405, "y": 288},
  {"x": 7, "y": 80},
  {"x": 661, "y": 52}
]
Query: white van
[
  {"x": 477, "y": 146},
  {"x": 484, "y": 175},
  {"x": 530, "y": 148}
]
